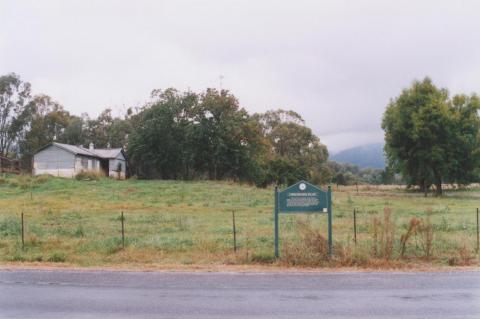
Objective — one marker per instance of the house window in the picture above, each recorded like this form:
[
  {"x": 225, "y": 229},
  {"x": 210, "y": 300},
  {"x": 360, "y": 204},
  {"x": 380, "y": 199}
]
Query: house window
[{"x": 84, "y": 163}]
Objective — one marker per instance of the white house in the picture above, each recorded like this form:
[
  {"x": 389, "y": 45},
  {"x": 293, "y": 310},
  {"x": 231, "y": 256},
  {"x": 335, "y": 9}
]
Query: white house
[{"x": 66, "y": 160}]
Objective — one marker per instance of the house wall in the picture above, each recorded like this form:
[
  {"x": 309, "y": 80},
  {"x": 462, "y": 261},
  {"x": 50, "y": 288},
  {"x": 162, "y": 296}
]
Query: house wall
[
  {"x": 54, "y": 161},
  {"x": 113, "y": 166},
  {"x": 85, "y": 163}
]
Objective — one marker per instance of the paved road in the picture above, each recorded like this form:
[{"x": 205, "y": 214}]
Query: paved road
[{"x": 69, "y": 294}]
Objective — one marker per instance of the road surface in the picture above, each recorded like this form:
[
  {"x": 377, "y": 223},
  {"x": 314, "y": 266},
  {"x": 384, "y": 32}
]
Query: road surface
[{"x": 102, "y": 294}]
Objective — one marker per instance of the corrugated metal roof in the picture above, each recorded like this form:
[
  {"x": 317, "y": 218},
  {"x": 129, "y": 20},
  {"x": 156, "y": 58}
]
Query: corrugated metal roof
[
  {"x": 75, "y": 149},
  {"x": 107, "y": 152},
  {"x": 99, "y": 152}
]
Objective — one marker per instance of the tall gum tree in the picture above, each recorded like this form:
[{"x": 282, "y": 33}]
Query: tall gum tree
[
  {"x": 15, "y": 111},
  {"x": 431, "y": 139}
]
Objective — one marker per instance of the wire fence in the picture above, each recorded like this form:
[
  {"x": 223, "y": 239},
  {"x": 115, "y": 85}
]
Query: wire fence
[{"x": 60, "y": 237}]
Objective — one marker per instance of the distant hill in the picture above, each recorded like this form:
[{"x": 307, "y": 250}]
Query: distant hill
[{"x": 370, "y": 155}]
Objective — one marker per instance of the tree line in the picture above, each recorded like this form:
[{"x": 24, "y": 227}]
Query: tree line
[
  {"x": 176, "y": 135},
  {"x": 430, "y": 137}
]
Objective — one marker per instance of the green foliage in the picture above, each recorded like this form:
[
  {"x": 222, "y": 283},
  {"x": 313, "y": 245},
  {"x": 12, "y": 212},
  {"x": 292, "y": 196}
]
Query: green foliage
[
  {"x": 47, "y": 121},
  {"x": 349, "y": 174},
  {"x": 74, "y": 132},
  {"x": 284, "y": 171},
  {"x": 157, "y": 147},
  {"x": 294, "y": 152},
  {"x": 106, "y": 130},
  {"x": 208, "y": 136},
  {"x": 15, "y": 110},
  {"x": 432, "y": 139}
]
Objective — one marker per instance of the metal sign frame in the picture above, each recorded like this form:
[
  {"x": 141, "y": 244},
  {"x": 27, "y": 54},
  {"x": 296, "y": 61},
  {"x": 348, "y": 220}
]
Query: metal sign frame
[{"x": 303, "y": 197}]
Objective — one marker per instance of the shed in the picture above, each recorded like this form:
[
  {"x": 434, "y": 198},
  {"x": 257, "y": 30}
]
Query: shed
[{"x": 66, "y": 160}]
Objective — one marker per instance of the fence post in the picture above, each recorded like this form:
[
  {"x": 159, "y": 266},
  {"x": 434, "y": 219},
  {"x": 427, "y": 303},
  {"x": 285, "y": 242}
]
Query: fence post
[
  {"x": 23, "y": 233},
  {"x": 329, "y": 210},
  {"x": 275, "y": 215},
  {"x": 478, "y": 236},
  {"x": 123, "y": 232},
  {"x": 234, "y": 232},
  {"x": 355, "y": 226}
]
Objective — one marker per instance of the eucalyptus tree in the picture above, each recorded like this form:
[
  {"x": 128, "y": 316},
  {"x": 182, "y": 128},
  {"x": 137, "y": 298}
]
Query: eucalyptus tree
[
  {"x": 15, "y": 110},
  {"x": 295, "y": 151},
  {"x": 431, "y": 139},
  {"x": 48, "y": 121}
]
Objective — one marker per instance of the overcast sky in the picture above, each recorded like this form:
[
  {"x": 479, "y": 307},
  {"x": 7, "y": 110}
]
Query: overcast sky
[{"x": 337, "y": 63}]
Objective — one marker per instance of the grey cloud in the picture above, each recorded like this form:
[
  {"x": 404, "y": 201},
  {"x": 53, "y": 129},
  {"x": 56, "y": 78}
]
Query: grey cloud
[{"x": 336, "y": 62}]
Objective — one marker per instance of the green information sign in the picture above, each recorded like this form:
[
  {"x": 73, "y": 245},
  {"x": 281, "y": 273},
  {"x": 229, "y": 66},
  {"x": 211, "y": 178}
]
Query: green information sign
[{"x": 303, "y": 197}]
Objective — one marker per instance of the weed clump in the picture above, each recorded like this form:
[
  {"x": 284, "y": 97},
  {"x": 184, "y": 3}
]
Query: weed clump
[
  {"x": 411, "y": 231},
  {"x": 262, "y": 258},
  {"x": 89, "y": 176},
  {"x": 32, "y": 240},
  {"x": 18, "y": 258},
  {"x": 383, "y": 235},
  {"x": 312, "y": 250},
  {"x": 425, "y": 228},
  {"x": 42, "y": 179},
  {"x": 24, "y": 181},
  {"x": 57, "y": 257}
]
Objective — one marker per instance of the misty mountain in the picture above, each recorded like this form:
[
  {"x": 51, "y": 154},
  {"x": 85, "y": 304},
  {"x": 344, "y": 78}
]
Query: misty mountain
[{"x": 364, "y": 156}]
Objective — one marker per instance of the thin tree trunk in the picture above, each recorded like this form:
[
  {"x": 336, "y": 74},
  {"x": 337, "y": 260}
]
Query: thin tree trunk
[
  {"x": 438, "y": 185},
  {"x": 438, "y": 191}
]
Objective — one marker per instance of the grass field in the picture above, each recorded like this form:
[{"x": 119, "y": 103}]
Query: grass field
[{"x": 190, "y": 223}]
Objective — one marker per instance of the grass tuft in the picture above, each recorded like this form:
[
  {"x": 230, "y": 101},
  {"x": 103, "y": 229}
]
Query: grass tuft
[
  {"x": 57, "y": 257},
  {"x": 89, "y": 176}
]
